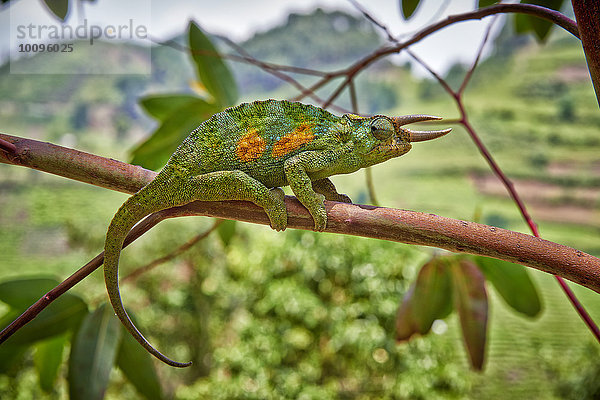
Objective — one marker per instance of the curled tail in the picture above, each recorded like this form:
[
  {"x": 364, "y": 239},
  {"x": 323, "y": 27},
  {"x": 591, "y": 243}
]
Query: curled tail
[{"x": 141, "y": 204}]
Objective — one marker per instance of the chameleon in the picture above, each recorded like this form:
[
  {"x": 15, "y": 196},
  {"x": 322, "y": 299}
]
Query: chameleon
[{"x": 248, "y": 152}]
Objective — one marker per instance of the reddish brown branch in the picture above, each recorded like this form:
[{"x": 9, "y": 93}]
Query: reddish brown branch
[
  {"x": 7, "y": 146},
  {"x": 382, "y": 223}
]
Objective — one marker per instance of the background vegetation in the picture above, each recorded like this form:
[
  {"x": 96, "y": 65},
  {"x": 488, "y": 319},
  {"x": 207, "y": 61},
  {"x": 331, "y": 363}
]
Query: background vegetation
[{"x": 299, "y": 314}]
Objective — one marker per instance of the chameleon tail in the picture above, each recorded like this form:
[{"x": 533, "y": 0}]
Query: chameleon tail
[{"x": 144, "y": 202}]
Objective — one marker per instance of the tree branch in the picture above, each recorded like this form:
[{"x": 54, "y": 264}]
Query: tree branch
[
  {"x": 351, "y": 219},
  {"x": 587, "y": 13}
]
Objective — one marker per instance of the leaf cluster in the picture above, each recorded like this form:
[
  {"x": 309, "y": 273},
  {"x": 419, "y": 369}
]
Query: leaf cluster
[
  {"x": 95, "y": 338},
  {"x": 458, "y": 283}
]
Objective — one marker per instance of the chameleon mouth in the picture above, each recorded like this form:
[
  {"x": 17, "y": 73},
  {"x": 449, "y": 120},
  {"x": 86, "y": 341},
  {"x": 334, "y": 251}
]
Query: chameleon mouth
[
  {"x": 395, "y": 146},
  {"x": 417, "y": 136}
]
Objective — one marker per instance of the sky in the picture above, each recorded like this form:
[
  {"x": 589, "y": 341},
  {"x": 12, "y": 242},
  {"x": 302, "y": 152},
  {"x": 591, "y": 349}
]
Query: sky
[{"x": 240, "y": 19}]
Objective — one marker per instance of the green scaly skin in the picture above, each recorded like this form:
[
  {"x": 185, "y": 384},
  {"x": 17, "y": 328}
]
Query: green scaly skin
[{"x": 246, "y": 153}]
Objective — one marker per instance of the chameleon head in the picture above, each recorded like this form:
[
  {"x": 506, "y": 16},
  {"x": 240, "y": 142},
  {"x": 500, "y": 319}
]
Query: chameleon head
[{"x": 382, "y": 138}]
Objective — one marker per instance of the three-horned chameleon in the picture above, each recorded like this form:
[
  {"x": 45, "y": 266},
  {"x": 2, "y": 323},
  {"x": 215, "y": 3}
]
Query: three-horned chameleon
[{"x": 246, "y": 153}]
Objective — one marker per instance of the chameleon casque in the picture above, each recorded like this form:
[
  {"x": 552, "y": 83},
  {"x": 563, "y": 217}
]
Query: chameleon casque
[{"x": 246, "y": 153}]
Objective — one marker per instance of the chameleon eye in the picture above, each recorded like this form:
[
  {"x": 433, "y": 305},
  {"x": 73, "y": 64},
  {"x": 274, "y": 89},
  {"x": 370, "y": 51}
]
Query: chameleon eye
[{"x": 382, "y": 128}]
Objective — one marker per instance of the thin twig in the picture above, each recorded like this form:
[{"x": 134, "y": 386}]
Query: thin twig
[
  {"x": 353, "y": 97},
  {"x": 178, "y": 251},
  {"x": 349, "y": 72},
  {"x": 273, "y": 69},
  {"x": 469, "y": 73},
  {"x": 374, "y": 21},
  {"x": 371, "y": 186}
]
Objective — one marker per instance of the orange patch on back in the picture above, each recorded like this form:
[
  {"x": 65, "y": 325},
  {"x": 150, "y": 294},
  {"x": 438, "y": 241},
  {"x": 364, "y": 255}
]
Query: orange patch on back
[
  {"x": 250, "y": 146},
  {"x": 301, "y": 135}
]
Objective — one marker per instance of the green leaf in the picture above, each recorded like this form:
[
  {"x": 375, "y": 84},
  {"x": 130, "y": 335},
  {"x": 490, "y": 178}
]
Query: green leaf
[
  {"x": 226, "y": 231},
  {"x": 21, "y": 293},
  {"x": 61, "y": 315},
  {"x": 471, "y": 302},
  {"x": 432, "y": 295},
  {"x": 60, "y": 8},
  {"x": 486, "y": 3},
  {"x": 161, "y": 106},
  {"x": 10, "y": 357},
  {"x": 93, "y": 353},
  {"x": 211, "y": 70},
  {"x": 522, "y": 24},
  {"x": 47, "y": 360},
  {"x": 541, "y": 27},
  {"x": 156, "y": 150},
  {"x": 513, "y": 283},
  {"x": 408, "y": 7},
  {"x": 136, "y": 364}
]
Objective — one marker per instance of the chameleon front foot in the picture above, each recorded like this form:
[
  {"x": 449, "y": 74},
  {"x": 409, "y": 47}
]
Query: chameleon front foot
[
  {"x": 316, "y": 208},
  {"x": 276, "y": 211}
]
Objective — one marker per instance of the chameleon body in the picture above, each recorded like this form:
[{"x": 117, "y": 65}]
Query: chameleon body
[{"x": 246, "y": 153}]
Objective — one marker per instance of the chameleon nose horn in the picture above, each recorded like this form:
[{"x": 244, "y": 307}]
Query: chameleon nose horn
[{"x": 419, "y": 136}]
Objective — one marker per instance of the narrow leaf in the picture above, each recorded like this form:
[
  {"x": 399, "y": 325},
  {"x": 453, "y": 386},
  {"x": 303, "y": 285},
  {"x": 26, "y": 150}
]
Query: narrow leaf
[
  {"x": 405, "y": 323},
  {"x": 513, "y": 283},
  {"x": 136, "y": 364},
  {"x": 61, "y": 315},
  {"x": 522, "y": 23},
  {"x": 60, "y": 8},
  {"x": 47, "y": 360},
  {"x": 408, "y": 7},
  {"x": 161, "y": 106},
  {"x": 10, "y": 357},
  {"x": 226, "y": 231},
  {"x": 541, "y": 27},
  {"x": 471, "y": 302},
  {"x": 486, "y": 3},
  {"x": 155, "y": 151},
  {"x": 93, "y": 353},
  {"x": 21, "y": 293},
  {"x": 433, "y": 294},
  {"x": 212, "y": 71}
]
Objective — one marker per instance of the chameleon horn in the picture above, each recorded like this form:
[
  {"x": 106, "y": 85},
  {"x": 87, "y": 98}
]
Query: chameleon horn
[{"x": 419, "y": 136}]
